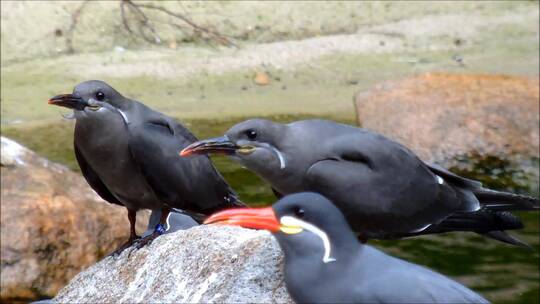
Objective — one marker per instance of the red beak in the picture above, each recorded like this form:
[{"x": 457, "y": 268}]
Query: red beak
[{"x": 256, "y": 218}]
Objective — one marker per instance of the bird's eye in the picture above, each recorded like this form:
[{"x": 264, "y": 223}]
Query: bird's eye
[
  {"x": 251, "y": 134},
  {"x": 100, "y": 96},
  {"x": 299, "y": 212}
]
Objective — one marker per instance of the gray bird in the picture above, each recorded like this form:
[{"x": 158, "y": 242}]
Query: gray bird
[
  {"x": 324, "y": 263},
  {"x": 128, "y": 153},
  {"x": 384, "y": 190}
]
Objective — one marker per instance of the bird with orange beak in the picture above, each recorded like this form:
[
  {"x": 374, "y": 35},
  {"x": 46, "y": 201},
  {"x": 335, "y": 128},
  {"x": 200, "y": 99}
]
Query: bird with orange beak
[{"x": 324, "y": 262}]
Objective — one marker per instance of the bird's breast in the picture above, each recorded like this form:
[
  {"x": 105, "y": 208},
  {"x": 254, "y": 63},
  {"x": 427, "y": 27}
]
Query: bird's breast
[{"x": 104, "y": 144}]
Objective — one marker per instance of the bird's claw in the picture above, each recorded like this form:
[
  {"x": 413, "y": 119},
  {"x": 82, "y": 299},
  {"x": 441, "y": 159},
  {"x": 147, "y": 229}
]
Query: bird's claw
[
  {"x": 125, "y": 246},
  {"x": 147, "y": 240},
  {"x": 159, "y": 230}
]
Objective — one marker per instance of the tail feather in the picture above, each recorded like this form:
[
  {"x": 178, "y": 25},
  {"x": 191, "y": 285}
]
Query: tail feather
[
  {"x": 491, "y": 219},
  {"x": 231, "y": 201},
  {"x": 497, "y": 200},
  {"x": 504, "y": 237},
  {"x": 236, "y": 202},
  {"x": 485, "y": 222},
  {"x": 482, "y": 221}
]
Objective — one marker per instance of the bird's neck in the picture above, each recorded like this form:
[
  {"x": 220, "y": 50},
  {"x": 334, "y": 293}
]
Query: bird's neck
[
  {"x": 338, "y": 245},
  {"x": 307, "y": 268}
]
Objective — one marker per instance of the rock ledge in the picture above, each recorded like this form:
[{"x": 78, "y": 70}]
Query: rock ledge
[
  {"x": 206, "y": 264},
  {"x": 53, "y": 225}
]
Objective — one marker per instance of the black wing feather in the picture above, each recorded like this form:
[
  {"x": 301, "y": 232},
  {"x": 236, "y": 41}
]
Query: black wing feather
[
  {"x": 186, "y": 183},
  {"x": 493, "y": 200},
  {"x": 454, "y": 178}
]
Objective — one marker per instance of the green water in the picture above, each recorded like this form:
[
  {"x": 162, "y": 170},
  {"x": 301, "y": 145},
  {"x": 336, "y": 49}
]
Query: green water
[{"x": 502, "y": 273}]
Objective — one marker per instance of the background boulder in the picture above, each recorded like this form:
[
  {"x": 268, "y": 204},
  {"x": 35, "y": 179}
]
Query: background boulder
[
  {"x": 53, "y": 225},
  {"x": 443, "y": 117},
  {"x": 205, "y": 264}
]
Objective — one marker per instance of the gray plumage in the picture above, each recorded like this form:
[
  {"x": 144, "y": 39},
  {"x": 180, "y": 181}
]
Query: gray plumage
[
  {"x": 324, "y": 262},
  {"x": 360, "y": 273},
  {"x": 383, "y": 188},
  {"x": 128, "y": 153}
]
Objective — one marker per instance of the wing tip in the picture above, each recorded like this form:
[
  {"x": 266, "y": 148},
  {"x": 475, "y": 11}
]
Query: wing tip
[{"x": 503, "y": 236}]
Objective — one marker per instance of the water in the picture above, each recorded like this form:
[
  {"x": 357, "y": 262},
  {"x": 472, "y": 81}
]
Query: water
[{"x": 502, "y": 273}]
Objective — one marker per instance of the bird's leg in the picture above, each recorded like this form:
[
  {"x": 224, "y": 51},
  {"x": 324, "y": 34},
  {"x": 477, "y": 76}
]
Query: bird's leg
[
  {"x": 133, "y": 237},
  {"x": 132, "y": 216},
  {"x": 158, "y": 230}
]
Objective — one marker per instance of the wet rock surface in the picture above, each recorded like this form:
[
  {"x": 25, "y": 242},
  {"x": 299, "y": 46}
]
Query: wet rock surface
[
  {"x": 205, "y": 264},
  {"x": 52, "y": 225},
  {"x": 447, "y": 117}
]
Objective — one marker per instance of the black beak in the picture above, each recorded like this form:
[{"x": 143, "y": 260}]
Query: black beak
[
  {"x": 218, "y": 145},
  {"x": 69, "y": 101}
]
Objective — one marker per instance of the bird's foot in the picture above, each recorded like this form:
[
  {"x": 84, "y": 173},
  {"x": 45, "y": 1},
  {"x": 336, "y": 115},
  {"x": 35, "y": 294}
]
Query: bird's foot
[
  {"x": 159, "y": 230},
  {"x": 125, "y": 246}
]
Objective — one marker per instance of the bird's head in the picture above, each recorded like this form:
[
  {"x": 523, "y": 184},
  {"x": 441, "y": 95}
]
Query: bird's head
[
  {"x": 303, "y": 223},
  {"x": 253, "y": 143},
  {"x": 90, "y": 97}
]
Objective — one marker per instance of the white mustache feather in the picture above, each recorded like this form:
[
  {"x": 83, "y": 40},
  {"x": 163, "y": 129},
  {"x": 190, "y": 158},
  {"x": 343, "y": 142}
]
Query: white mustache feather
[{"x": 70, "y": 116}]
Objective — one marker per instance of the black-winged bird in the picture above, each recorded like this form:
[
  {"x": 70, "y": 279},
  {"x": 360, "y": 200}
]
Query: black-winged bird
[
  {"x": 383, "y": 189},
  {"x": 324, "y": 263},
  {"x": 128, "y": 153}
]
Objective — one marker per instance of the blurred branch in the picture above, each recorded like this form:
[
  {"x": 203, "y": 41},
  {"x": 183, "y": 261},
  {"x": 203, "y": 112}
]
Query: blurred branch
[
  {"x": 145, "y": 25},
  {"x": 144, "y": 21},
  {"x": 136, "y": 21},
  {"x": 74, "y": 20}
]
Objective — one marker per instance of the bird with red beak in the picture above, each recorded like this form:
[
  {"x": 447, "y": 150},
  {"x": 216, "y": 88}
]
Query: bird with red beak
[{"x": 324, "y": 262}]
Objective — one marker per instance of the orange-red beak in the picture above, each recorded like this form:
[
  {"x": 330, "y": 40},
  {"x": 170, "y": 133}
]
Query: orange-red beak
[{"x": 256, "y": 218}]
